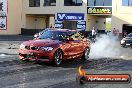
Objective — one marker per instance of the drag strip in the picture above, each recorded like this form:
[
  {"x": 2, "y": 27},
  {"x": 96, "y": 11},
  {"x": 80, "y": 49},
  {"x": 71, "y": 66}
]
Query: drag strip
[{"x": 33, "y": 75}]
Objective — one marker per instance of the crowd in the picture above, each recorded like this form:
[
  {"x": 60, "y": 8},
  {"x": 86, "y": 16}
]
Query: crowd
[{"x": 114, "y": 32}]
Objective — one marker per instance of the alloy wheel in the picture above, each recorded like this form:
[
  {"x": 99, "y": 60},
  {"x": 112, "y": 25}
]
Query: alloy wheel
[
  {"x": 86, "y": 53},
  {"x": 58, "y": 57}
]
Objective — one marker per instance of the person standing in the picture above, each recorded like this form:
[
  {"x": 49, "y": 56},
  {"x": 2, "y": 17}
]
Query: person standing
[
  {"x": 117, "y": 33},
  {"x": 114, "y": 32},
  {"x": 124, "y": 34},
  {"x": 93, "y": 32}
]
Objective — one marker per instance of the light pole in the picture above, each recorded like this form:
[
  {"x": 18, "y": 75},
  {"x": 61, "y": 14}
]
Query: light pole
[
  {"x": 94, "y": 2},
  {"x": 128, "y": 2},
  {"x": 103, "y": 2}
]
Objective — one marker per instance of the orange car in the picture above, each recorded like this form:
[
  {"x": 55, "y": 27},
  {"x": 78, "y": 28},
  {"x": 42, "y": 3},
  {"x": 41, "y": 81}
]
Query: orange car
[{"x": 55, "y": 45}]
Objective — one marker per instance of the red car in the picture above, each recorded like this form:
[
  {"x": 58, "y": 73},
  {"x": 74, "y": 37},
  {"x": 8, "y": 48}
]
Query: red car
[{"x": 55, "y": 45}]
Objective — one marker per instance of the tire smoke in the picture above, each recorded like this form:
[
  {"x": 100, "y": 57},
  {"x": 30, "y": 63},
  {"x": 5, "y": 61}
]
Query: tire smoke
[{"x": 106, "y": 45}]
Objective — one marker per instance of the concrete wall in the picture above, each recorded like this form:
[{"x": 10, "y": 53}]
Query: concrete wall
[
  {"x": 101, "y": 25},
  {"x": 121, "y": 15},
  {"x": 53, "y": 9},
  {"x": 18, "y": 15},
  {"x": 51, "y": 21},
  {"x": 95, "y": 21},
  {"x": 90, "y": 22},
  {"x": 50, "y": 10},
  {"x": 35, "y": 22}
]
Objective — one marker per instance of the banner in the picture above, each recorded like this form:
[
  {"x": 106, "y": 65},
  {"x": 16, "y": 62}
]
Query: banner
[
  {"x": 3, "y": 14},
  {"x": 70, "y": 16},
  {"x": 81, "y": 25},
  {"x": 99, "y": 10},
  {"x": 58, "y": 24}
]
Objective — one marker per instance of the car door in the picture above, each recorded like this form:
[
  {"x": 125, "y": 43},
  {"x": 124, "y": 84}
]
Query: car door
[
  {"x": 73, "y": 46},
  {"x": 67, "y": 49},
  {"x": 79, "y": 43},
  {"x": 76, "y": 44}
]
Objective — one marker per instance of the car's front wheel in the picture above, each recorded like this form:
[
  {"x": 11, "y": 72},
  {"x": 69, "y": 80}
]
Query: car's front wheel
[
  {"x": 124, "y": 45},
  {"x": 86, "y": 54},
  {"x": 58, "y": 56}
]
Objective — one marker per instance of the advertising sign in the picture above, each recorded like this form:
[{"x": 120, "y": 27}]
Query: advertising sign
[
  {"x": 81, "y": 25},
  {"x": 99, "y": 10},
  {"x": 70, "y": 16},
  {"x": 2, "y": 22},
  {"x": 3, "y": 14},
  {"x": 58, "y": 24}
]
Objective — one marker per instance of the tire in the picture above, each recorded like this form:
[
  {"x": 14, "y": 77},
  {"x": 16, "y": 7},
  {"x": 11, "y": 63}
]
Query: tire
[
  {"x": 123, "y": 45},
  {"x": 86, "y": 54},
  {"x": 58, "y": 56}
]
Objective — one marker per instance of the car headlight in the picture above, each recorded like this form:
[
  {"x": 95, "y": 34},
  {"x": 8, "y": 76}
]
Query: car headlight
[
  {"x": 22, "y": 46},
  {"x": 46, "y": 48},
  {"x": 122, "y": 41}
]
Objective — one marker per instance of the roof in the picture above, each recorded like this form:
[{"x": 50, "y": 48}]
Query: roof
[{"x": 63, "y": 30}]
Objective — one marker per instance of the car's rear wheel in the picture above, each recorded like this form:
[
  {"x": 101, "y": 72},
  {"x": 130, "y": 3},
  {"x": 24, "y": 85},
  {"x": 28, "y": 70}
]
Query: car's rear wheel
[
  {"x": 58, "y": 56},
  {"x": 86, "y": 54}
]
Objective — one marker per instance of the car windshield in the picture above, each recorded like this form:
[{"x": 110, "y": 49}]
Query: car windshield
[
  {"x": 54, "y": 35},
  {"x": 129, "y": 35}
]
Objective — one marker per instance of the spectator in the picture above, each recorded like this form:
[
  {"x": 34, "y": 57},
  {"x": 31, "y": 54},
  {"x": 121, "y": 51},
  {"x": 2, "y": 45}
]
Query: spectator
[
  {"x": 117, "y": 32},
  {"x": 93, "y": 33},
  {"x": 124, "y": 33},
  {"x": 114, "y": 32}
]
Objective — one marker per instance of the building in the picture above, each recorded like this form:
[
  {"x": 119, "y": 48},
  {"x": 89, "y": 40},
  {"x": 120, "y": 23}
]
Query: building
[
  {"x": 30, "y": 16},
  {"x": 40, "y": 14},
  {"x": 10, "y": 17}
]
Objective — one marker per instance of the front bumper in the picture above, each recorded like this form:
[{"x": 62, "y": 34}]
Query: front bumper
[
  {"x": 126, "y": 45},
  {"x": 36, "y": 55}
]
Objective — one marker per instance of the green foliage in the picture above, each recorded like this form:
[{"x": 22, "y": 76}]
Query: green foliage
[{"x": 108, "y": 26}]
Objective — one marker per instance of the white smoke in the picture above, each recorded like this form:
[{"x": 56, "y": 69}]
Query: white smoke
[{"x": 105, "y": 46}]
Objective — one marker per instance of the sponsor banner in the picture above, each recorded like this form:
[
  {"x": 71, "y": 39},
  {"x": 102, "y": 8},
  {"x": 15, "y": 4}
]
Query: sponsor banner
[
  {"x": 99, "y": 10},
  {"x": 70, "y": 16},
  {"x": 3, "y": 14},
  {"x": 84, "y": 77},
  {"x": 108, "y": 78},
  {"x": 58, "y": 24},
  {"x": 3, "y": 22},
  {"x": 81, "y": 25}
]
